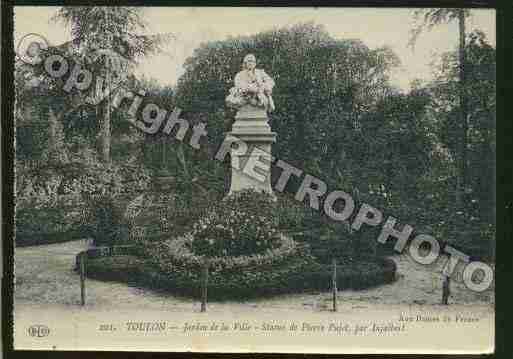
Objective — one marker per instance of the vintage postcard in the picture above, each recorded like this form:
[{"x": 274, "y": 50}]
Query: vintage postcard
[{"x": 285, "y": 180}]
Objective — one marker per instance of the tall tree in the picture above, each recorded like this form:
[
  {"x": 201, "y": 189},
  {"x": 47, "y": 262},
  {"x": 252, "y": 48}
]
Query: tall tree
[
  {"x": 430, "y": 18},
  {"x": 41, "y": 101},
  {"x": 112, "y": 39},
  {"x": 480, "y": 72}
]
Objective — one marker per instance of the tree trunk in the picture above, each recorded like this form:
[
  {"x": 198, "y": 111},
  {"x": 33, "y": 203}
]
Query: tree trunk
[
  {"x": 487, "y": 193},
  {"x": 300, "y": 143},
  {"x": 52, "y": 131},
  {"x": 181, "y": 158},
  {"x": 56, "y": 153},
  {"x": 105, "y": 136},
  {"x": 105, "y": 133},
  {"x": 462, "y": 176}
]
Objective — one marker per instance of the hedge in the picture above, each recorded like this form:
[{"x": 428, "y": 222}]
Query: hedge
[
  {"x": 297, "y": 276},
  {"x": 35, "y": 239}
]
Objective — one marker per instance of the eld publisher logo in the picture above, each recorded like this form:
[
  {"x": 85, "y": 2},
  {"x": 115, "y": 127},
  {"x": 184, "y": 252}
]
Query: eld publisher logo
[{"x": 38, "y": 331}]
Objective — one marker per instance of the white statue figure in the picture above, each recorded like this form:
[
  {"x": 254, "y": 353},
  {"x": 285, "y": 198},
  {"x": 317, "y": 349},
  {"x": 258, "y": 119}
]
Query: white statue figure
[{"x": 252, "y": 86}]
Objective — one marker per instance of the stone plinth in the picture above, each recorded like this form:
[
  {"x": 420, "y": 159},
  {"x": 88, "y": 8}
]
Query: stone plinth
[{"x": 251, "y": 126}]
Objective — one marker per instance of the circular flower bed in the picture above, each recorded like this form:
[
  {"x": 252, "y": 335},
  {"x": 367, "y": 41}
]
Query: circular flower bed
[
  {"x": 239, "y": 242},
  {"x": 175, "y": 255},
  {"x": 273, "y": 271}
]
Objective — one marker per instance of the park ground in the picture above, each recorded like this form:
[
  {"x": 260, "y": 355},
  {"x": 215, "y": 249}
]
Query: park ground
[{"x": 44, "y": 275}]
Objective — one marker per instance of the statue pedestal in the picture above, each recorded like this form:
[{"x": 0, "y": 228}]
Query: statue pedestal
[{"x": 251, "y": 127}]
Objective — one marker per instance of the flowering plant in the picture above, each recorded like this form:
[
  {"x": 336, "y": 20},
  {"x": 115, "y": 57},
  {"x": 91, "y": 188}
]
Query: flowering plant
[
  {"x": 176, "y": 253},
  {"x": 241, "y": 224}
]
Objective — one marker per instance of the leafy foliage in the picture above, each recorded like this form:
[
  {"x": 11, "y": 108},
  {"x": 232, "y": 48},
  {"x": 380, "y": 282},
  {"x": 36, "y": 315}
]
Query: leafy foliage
[
  {"x": 481, "y": 67},
  {"x": 470, "y": 226},
  {"x": 429, "y": 18},
  {"x": 105, "y": 221},
  {"x": 42, "y": 222},
  {"x": 116, "y": 28},
  {"x": 241, "y": 224}
]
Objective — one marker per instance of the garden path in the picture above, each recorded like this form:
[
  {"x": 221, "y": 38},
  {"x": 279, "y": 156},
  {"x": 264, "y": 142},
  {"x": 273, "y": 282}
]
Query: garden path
[{"x": 45, "y": 276}]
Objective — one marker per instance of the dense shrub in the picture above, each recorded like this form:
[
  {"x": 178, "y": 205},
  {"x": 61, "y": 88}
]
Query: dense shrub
[
  {"x": 339, "y": 242},
  {"x": 290, "y": 214},
  {"x": 183, "y": 211},
  {"x": 468, "y": 234},
  {"x": 126, "y": 268},
  {"x": 158, "y": 214},
  {"x": 56, "y": 220},
  {"x": 75, "y": 198},
  {"x": 105, "y": 222},
  {"x": 241, "y": 224}
]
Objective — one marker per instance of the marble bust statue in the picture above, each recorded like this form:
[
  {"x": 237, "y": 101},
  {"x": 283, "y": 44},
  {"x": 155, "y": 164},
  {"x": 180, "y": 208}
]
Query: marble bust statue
[{"x": 252, "y": 86}]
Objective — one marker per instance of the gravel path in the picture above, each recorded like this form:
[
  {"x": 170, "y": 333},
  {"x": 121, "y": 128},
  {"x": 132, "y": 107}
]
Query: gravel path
[{"x": 44, "y": 275}]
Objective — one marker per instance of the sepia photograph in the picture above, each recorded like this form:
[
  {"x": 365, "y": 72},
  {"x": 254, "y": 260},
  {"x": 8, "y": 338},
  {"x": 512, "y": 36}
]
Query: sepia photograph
[{"x": 254, "y": 179}]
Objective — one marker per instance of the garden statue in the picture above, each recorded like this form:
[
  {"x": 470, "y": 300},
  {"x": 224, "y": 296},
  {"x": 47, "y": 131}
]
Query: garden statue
[
  {"x": 252, "y": 86},
  {"x": 252, "y": 98}
]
